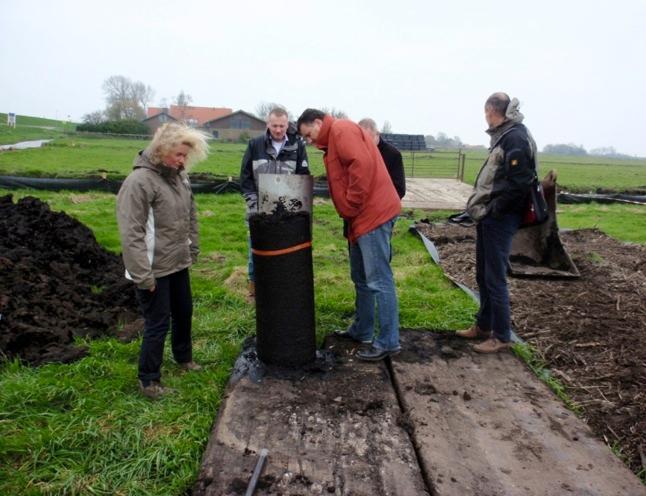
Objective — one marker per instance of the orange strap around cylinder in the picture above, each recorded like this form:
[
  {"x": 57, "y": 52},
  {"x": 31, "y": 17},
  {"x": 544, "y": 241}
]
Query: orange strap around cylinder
[{"x": 273, "y": 253}]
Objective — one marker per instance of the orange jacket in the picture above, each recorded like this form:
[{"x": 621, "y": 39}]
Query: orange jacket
[{"x": 360, "y": 186}]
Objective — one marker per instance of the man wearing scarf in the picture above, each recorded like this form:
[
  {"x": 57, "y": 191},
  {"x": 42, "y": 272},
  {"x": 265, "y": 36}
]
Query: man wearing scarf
[{"x": 496, "y": 205}]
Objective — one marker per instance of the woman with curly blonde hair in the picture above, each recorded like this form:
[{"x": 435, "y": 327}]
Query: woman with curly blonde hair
[{"x": 159, "y": 241}]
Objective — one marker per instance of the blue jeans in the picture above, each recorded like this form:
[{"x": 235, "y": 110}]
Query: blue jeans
[
  {"x": 493, "y": 244},
  {"x": 373, "y": 282}
]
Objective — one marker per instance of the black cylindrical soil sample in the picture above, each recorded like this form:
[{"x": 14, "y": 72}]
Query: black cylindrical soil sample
[{"x": 282, "y": 253}]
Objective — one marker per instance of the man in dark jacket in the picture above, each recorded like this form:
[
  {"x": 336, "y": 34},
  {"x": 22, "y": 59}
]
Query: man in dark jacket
[
  {"x": 279, "y": 151},
  {"x": 496, "y": 204},
  {"x": 391, "y": 155}
]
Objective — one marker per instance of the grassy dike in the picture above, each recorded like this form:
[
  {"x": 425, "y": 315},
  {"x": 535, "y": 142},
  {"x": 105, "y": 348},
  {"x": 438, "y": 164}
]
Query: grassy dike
[
  {"x": 32, "y": 128},
  {"x": 83, "y": 428}
]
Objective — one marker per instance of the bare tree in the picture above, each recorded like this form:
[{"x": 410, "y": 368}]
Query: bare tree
[
  {"x": 386, "y": 128},
  {"x": 96, "y": 117},
  {"x": 336, "y": 113},
  {"x": 183, "y": 99},
  {"x": 126, "y": 99},
  {"x": 442, "y": 140},
  {"x": 564, "y": 149},
  {"x": 117, "y": 96},
  {"x": 263, "y": 109},
  {"x": 142, "y": 94}
]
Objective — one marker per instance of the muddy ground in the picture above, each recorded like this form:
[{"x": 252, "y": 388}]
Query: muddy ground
[
  {"x": 590, "y": 331},
  {"x": 56, "y": 283}
]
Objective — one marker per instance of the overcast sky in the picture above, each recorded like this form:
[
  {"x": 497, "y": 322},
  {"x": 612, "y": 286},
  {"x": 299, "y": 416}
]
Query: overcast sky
[{"x": 578, "y": 67}]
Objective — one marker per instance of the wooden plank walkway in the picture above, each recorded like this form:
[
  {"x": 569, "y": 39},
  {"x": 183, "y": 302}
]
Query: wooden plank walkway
[
  {"x": 442, "y": 420},
  {"x": 436, "y": 194}
]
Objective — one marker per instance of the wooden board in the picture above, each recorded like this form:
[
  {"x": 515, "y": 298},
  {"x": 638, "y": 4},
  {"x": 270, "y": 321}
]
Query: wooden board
[
  {"x": 436, "y": 194},
  {"x": 486, "y": 425}
]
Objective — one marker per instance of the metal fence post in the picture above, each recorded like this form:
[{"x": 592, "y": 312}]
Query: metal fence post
[
  {"x": 457, "y": 175},
  {"x": 413, "y": 165},
  {"x": 461, "y": 158}
]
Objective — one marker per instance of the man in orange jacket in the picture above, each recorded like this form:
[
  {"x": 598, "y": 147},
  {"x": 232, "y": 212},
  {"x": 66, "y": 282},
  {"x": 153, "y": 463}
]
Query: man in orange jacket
[{"x": 364, "y": 195}]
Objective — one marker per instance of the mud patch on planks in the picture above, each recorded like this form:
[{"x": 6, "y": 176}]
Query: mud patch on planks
[{"x": 335, "y": 430}]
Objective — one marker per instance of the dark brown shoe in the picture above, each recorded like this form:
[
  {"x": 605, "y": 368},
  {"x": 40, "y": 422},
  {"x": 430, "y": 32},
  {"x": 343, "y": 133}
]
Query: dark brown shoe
[
  {"x": 491, "y": 345},
  {"x": 346, "y": 335},
  {"x": 473, "y": 332},
  {"x": 154, "y": 390},
  {"x": 190, "y": 366}
]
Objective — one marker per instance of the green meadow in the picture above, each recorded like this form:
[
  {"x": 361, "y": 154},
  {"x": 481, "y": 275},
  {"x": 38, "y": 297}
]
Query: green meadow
[{"x": 578, "y": 174}]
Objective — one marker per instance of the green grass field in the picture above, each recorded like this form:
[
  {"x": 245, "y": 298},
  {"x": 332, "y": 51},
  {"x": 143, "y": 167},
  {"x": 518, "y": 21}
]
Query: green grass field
[
  {"x": 79, "y": 156},
  {"x": 579, "y": 174},
  {"x": 621, "y": 221}
]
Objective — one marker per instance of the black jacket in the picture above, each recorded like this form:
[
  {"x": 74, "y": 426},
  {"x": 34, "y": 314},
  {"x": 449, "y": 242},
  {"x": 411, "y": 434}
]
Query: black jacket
[
  {"x": 504, "y": 180},
  {"x": 394, "y": 164},
  {"x": 260, "y": 158}
]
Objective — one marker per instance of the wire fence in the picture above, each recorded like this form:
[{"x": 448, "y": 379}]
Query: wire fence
[{"x": 442, "y": 164}]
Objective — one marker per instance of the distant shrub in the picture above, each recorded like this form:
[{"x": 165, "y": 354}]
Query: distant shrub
[
  {"x": 564, "y": 149},
  {"x": 114, "y": 127},
  {"x": 244, "y": 137}
]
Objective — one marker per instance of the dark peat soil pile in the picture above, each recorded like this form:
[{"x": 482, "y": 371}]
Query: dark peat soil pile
[
  {"x": 590, "y": 331},
  {"x": 56, "y": 283}
]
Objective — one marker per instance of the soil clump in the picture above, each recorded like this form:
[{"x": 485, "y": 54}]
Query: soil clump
[{"x": 56, "y": 283}]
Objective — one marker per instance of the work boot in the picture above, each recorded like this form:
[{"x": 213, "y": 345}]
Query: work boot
[
  {"x": 154, "y": 390},
  {"x": 373, "y": 354},
  {"x": 346, "y": 335},
  {"x": 473, "y": 332},
  {"x": 190, "y": 366},
  {"x": 491, "y": 345}
]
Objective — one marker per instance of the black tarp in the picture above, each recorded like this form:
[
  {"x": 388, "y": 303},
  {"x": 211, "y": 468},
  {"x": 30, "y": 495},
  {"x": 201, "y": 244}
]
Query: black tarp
[
  {"x": 215, "y": 185},
  {"x": 572, "y": 198}
]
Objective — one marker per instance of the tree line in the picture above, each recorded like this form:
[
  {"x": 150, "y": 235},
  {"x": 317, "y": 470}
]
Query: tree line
[
  {"x": 442, "y": 140},
  {"x": 578, "y": 150}
]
